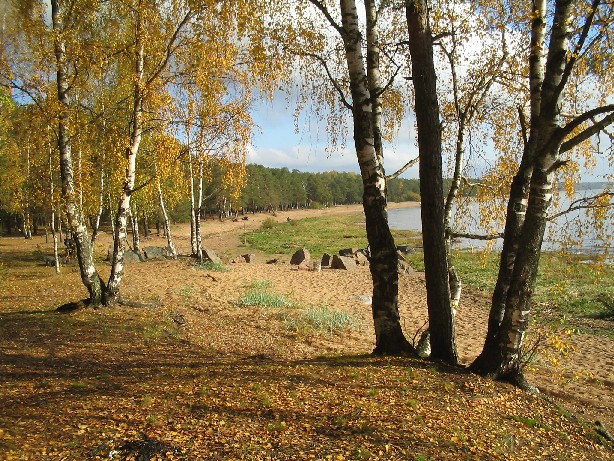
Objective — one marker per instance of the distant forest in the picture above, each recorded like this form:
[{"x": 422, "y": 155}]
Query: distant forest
[{"x": 281, "y": 188}]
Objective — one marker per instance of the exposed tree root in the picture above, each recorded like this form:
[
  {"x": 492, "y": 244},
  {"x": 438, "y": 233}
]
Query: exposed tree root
[{"x": 74, "y": 306}]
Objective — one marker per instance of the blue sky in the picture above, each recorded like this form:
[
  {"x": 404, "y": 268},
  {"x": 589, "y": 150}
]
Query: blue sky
[{"x": 276, "y": 144}]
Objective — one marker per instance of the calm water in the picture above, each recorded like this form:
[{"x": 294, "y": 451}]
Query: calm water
[{"x": 575, "y": 224}]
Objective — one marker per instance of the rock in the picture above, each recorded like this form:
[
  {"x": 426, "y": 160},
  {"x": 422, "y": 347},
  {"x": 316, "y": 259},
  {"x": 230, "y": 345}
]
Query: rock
[
  {"x": 405, "y": 249},
  {"x": 310, "y": 265},
  {"x": 49, "y": 261},
  {"x": 361, "y": 259},
  {"x": 348, "y": 252},
  {"x": 210, "y": 255},
  {"x": 343, "y": 262},
  {"x": 365, "y": 299},
  {"x": 156, "y": 252},
  {"x": 326, "y": 260},
  {"x": 403, "y": 267},
  {"x": 238, "y": 260},
  {"x": 300, "y": 256},
  {"x": 249, "y": 258},
  {"x": 132, "y": 257},
  {"x": 273, "y": 261}
]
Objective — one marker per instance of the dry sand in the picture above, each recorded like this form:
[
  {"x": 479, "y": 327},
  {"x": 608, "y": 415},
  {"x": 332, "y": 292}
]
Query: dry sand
[{"x": 584, "y": 382}]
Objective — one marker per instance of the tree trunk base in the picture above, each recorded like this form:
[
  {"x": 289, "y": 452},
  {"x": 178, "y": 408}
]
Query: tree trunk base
[
  {"x": 74, "y": 306},
  {"x": 395, "y": 345}
]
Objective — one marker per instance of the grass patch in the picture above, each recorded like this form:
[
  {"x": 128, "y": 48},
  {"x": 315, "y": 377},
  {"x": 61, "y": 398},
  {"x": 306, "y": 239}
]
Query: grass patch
[
  {"x": 259, "y": 296},
  {"x": 565, "y": 284},
  {"x": 320, "y": 235},
  {"x": 211, "y": 266},
  {"x": 322, "y": 319}
]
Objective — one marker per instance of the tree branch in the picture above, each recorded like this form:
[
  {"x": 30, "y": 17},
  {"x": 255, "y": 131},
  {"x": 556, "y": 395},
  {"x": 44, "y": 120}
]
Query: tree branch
[
  {"x": 523, "y": 125},
  {"x": 475, "y": 184},
  {"x": 453, "y": 234},
  {"x": 589, "y": 132},
  {"x": 389, "y": 83},
  {"x": 403, "y": 169},
  {"x": 169, "y": 48},
  {"x": 322, "y": 61},
  {"x": 583, "y": 204},
  {"x": 578, "y": 50},
  {"x": 320, "y": 6}
]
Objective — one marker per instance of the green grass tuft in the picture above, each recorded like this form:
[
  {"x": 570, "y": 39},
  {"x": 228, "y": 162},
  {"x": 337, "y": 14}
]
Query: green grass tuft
[
  {"x": 211, "y": 266},
  {"x": 322, "y": 319},
  {"x": 264, "y": 299}
]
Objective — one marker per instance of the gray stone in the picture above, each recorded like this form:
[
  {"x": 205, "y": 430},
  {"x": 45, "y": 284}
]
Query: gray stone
[
  {"x": 405, "y": 249},
  {"x": 310, "y": 265},
  {"x": 348, "y": 252},
  {"x": 424, "y": 344},
  {"x": 210, "y": 255},
  {"x": 132, "y": 257},
  {"x": 361, "y": 259},
  {"x": 403, "y": 267},
  {"x": 156, "y": 252},
  {"x": 300, "y": 256},
  {"x": 326, "y": 260},
  {"x": 365, "y": 299},
  {"x": 343, "y": 262},
  {"x": 249, "y": 258}
]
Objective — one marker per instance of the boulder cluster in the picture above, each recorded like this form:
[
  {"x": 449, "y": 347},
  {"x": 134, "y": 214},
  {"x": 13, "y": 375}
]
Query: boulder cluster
[{"x": 347, "y": 259}]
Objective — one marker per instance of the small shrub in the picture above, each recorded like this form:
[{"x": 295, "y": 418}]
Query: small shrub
[
  {"x": 263, "y": 299},
  {"x": 268, "y": 223},
  {"x": 259, "y": 296},
  {"x": 211, "y": 266},
  {"x": 322, "y": 319},
  {"x": 326, "y": 319}
]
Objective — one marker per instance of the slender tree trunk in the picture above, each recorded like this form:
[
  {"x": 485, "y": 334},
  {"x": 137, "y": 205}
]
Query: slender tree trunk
[
  {"x": 56, "y": 259},
  {"x": 89, "y": 275},
  {"x": 389, "y": 338},
  {"x": 167, "y": 226},
  {"x": 193, "y": 230},
  {"x": 145, "y": 226},
  {"x": 136, "y": 131},
  {"x": 96, "y": 226},
  {"x": 441, "y": 319},
  {"x": 198, "y": 228},
  {"x": 134, "y": 220}
]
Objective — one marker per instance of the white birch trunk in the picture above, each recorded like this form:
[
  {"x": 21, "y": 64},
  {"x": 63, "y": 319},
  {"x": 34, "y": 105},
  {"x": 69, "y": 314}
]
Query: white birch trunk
[
  {"x": 386, "y": 319},
  {"x": 56, "y": 258},
  {"x": 89, "y": 275},
  {"x": 136, "y": 131},
  {"x": 167, "y": 226}
]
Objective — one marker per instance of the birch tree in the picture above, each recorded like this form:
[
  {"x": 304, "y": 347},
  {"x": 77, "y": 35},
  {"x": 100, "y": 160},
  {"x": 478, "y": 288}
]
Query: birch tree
[
  {"x": 360, "y": 90},
  {"x": 564, "y": 36}
]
